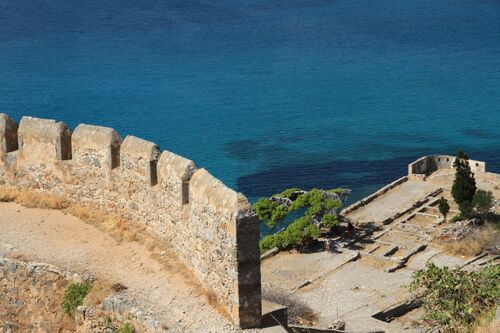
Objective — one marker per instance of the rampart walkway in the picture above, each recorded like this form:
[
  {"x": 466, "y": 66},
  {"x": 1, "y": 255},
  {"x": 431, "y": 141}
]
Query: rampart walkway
[{"x": 155, "y": 287}]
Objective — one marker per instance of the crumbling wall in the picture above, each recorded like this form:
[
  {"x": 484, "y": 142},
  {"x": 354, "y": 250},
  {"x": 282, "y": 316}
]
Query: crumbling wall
[
  {"x": 30, "y": 298},
  {"x": 428, "y": 164},
  {"x": 210, "y": 227},
  {"x": 31, "y": 295}
]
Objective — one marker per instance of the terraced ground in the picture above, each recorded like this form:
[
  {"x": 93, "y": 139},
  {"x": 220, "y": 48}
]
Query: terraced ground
[{"x": 367, "y": 275}]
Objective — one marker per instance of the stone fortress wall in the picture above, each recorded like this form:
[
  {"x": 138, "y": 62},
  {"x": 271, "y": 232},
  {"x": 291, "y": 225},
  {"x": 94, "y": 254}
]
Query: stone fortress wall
[
  {"x": 428, "y": 164},
  {"x": 209, "y": 226}
]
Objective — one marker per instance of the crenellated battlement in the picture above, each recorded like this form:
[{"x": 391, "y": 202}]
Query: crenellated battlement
[
  {"x": 96, "y": 147},
  {"x": 209, "y": 226},
  {"x": 44, "y": 139}
]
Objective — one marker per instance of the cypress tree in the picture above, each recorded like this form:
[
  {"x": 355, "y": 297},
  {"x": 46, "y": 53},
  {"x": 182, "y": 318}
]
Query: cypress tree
[{"x": 464, "y": 185}]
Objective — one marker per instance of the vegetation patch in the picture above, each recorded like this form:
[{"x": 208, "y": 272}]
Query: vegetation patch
[
  {"x": 456, "y": 300},
  {"x": 125, "y": 328},
  {"x": 74, "y": 296},
  {"x": 312, "y": 209}
]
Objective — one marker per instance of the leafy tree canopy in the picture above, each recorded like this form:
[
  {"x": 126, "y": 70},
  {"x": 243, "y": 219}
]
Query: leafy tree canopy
[
  {"x": 315, "y": 207},
  {"x": 483, "y": 201}
]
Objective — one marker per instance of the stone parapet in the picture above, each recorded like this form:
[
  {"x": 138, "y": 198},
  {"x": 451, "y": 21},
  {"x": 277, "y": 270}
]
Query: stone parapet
[
  {"x": 211, "y": 228},
  {"x": 428, "y": 164},
  {"x": 44, "y": 139},
  {"x": 96, "y": 147}
]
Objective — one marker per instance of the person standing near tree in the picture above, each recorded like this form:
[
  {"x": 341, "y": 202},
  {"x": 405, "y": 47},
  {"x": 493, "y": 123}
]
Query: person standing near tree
[
  {"x": 328, "y": 245},
  {"x": 444, "y": 207},
  {"x": 350, "y": 229}
]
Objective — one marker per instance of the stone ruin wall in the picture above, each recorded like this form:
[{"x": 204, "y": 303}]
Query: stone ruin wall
[
  {"x": 428, "y": 164},
  {"x": 209, "y": 226},
  {"x": 30, "y": 298},
  {"x": 31, "y": 295}
]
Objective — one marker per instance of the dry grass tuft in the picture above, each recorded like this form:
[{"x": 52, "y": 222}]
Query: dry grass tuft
[
  {"x": 7, "y": 195},
  {"x": 32, "y": 199},
  {"x": 298, "y": 311},
  {"x": 493, "y": 327},
  {"x": 113, "y": 224},
  {"x": 486, "y": 323},
  {"x": 475, "y": 243},
  {"x": 100, "y": 290}
]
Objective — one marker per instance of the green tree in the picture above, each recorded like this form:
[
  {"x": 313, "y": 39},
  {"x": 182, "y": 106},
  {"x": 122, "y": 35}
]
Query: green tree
[
  {"x": 444, "y": 207},
  {"x": 464, "y": 185},
  {"x": 483, "y": 201},
  {"x": 311, "y": 209}
]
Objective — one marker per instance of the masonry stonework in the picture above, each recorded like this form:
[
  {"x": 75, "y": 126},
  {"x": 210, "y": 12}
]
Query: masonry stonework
[
  {"x": 428, "y": 164},
  {"x": 209, "y": 226},
  {"x": 31, "y": 296}
]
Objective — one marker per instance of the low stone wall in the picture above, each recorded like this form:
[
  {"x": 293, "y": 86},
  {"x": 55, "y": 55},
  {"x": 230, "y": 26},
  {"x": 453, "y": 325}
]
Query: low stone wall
[
  {"x": 31, "y": 296},
  {"x": 366, "y": 200},
  {"x": 209, "y": 226},
  {"x": 428, "y": 164}
]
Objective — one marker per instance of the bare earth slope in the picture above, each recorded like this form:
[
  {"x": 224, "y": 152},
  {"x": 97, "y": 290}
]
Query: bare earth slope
[{"x": 53, "y": 237}]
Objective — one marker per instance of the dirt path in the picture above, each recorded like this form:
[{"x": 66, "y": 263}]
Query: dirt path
[{"x": 53, "y": 237}]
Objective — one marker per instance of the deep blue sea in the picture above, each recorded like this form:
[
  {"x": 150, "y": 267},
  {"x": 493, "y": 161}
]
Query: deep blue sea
[{"x": 266, "y": 94}]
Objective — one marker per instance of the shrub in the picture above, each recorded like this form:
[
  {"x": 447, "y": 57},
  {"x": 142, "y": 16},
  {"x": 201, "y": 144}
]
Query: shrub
[
  {"x": 456, "y": 218},
  {"x": 297, "y": 310},
  {"x": 455, "y": 299},
  {"x": 74, "y": 296}
]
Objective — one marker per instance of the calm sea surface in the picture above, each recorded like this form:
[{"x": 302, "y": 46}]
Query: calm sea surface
[{"x": 266, "y": 94}]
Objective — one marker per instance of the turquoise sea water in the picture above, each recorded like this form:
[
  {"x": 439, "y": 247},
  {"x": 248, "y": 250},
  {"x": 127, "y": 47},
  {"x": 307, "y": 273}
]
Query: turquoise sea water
[{"x": 266, "y": 94}]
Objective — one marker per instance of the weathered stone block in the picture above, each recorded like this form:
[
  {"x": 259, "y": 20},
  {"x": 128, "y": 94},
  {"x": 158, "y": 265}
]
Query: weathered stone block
[
  {"x": 96, "y": 147},
  {"x": 139, "y": 159},
  {"x": 208, "y": 190},
  {"x": 174, "y": 174},
  {"x": 249, "y": 276},
  {"x": 8, "y": 134},
  {"x": 44, "y": 139}
]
